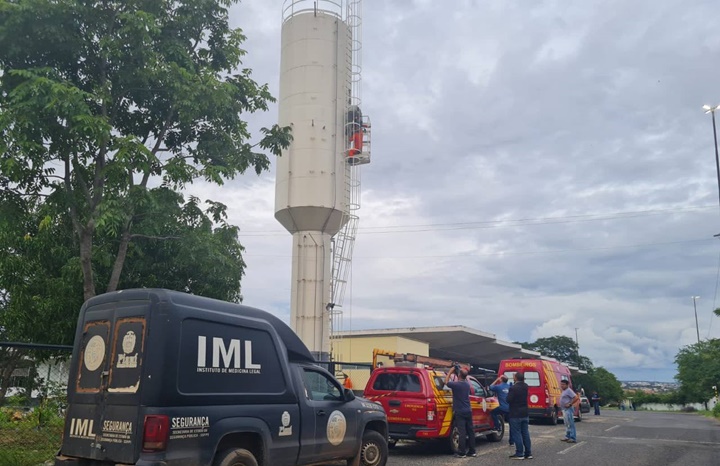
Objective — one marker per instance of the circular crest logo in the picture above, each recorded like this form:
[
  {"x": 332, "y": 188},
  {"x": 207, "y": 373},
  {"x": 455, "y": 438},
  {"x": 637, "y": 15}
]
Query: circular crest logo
[
  {"x": 336, "y": 428},
  {"x": 94, "y": 353},
  {"x": 128, "y": 343}
]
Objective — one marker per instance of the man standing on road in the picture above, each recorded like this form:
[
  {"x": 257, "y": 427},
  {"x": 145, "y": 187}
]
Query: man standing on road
[
  {"x": 568, "y": 400},
  {"x": 463, "y": 412},
  {"x": 500, "y": 388},
  {"x": 595, "y": 398},
  {"x": 519, "y": 418}
]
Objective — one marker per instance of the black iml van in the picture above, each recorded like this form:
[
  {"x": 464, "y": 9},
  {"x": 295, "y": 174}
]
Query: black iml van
[{"x": 162, "y": 378}]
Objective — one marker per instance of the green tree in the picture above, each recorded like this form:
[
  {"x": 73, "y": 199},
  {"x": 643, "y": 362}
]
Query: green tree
[
  {"x": 562, "y": 348},
  {"x": 101, "y": 100},
  {"x": 40, "y": 278},
  {"x": 699, "y": 369},
  {"x": 199, "y": 252},
  {"x": 601, "y": 380},
  {"x": 40, "y": 265},
  {"x": 39, "y": 272}
]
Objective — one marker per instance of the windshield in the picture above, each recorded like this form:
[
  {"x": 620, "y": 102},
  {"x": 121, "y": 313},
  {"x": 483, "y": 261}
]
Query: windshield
[{"x": 397, "y": 382}]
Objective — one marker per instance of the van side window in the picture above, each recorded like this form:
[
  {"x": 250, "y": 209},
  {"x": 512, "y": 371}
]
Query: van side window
[
  {"x": 320, "y": 387},
  {"x": 532, "y": 379},
  {"x": 398, "y": 383}
]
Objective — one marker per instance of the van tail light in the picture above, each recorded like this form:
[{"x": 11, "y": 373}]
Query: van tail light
[
  {"x": 547, "y": 397},
  {"x": 155, "y": 433},
  {"x": 431, "y": 410}
]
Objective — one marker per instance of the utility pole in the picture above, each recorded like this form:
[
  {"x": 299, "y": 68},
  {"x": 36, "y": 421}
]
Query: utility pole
[
  {"x": 577, "y": 348},
  {"x": 711, "y": 110},
  {"x": 697, "y": 327}
]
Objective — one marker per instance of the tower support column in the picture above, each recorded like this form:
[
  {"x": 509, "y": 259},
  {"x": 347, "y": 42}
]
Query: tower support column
[{"x": 310, "y": 293}]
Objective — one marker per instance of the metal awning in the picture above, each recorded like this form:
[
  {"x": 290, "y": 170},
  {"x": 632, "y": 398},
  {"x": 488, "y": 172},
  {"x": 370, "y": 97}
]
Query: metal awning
[
  {"x": 455, "y": 342},
  {"x": 459, "y": 343}
]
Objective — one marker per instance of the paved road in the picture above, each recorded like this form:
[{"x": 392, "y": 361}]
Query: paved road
[{"x": 615, "y": 438}]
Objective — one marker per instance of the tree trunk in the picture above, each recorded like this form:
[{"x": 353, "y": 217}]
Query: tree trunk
[
  {"x": 119, "y": 259},
  {"x": 9, "y": 358},
  {"x": 86, "y": 237}
]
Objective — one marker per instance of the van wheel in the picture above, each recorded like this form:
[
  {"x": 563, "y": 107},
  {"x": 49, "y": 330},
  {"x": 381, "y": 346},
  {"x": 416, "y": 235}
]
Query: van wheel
[
  {"x": 236, "y": 457},
  {"x": 454, "y": 439},
  {"x": 373, "y": 451},
  {"x": 496, "y": 436}
]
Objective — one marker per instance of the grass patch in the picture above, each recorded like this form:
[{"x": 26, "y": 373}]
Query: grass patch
[{"x": 25, "y": 440}]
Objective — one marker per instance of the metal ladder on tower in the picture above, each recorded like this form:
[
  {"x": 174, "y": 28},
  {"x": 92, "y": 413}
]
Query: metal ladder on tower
[{"x": 344, "y": 240}]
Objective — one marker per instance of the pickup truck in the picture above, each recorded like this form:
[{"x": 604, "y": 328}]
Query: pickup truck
[
  {"x": 162, "y": 378},
  {"x": 419, "y": 407}
]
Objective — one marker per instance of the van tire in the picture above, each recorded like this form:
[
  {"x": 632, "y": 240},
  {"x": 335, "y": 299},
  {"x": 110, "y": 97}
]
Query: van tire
[
  {"x": 236, "y": 457},
  {"x": 373, "y": 450},
  {"x": 454, "y": 439}
]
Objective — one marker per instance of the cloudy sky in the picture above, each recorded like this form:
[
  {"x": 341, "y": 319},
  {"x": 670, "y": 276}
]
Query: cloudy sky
[{"x": 537, "y": 167}]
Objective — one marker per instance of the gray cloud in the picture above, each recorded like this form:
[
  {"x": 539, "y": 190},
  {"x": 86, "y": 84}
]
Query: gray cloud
[{"x": 489, "y": 111}]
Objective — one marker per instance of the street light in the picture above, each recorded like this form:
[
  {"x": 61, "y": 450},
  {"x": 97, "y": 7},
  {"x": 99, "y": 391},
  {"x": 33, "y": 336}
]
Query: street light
[
  {"x": 697, "y": 328},
  {"x": 711, "y": 110}
]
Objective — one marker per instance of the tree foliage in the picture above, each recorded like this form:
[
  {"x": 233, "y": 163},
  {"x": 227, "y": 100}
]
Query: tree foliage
[
  {"x": 40, "y": 264},
  {"x": 699, "y": 369},
  {"x": 565, "y": 350},
  {"x": 562, "y": 348},
  {"x": 601, "y": 380},
  {"x": 102, "y": 100},
  {"x": 640, "y": 397},
  {"x": 39, "y": 272}
]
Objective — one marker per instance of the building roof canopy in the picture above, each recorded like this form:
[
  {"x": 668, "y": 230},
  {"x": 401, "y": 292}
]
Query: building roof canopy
[{"x": 459, "y": 343}]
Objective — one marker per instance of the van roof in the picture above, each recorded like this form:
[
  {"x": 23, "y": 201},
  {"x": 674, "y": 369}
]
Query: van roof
[{"x": 296, "y": 349}]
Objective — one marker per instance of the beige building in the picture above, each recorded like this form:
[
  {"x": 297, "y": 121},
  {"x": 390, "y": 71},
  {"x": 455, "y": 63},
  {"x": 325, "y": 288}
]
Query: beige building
[{"x": 359, "y": 350}]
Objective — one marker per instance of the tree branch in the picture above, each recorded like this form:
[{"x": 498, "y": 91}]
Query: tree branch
[
  {"x": 136, "y": 235},
  {"x": 71, "y": 201},
  {"x": 158, "y": 142}
]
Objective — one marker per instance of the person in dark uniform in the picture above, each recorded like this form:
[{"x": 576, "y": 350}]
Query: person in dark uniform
[
  {"x": 463, "y": 413},
  {"x": 595, "y": 399},
  {"x": 519, "y": 418}
]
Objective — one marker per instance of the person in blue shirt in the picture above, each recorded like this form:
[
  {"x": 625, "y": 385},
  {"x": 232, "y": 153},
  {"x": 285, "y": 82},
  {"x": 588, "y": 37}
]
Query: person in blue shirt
[
  {"x": 463, "y": 413},
  {"x": 500, "y": 388}
]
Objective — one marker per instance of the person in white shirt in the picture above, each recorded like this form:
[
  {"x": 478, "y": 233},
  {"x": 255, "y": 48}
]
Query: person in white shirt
[{"x": 568, "y": 400}]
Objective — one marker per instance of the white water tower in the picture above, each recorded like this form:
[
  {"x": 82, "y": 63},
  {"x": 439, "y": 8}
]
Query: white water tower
[{"x": 317, "y": 187}]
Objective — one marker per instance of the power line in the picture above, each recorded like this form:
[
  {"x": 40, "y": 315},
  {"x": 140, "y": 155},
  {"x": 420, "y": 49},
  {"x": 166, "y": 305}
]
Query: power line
[
  {"x": 486, "y": 224},
  {"x": 466, "y": 255},
  {"x": 607, "y": 215}
]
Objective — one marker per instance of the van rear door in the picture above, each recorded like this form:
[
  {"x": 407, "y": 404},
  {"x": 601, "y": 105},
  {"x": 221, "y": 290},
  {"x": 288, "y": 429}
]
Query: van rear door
[{"x": 103, "y": 421}]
